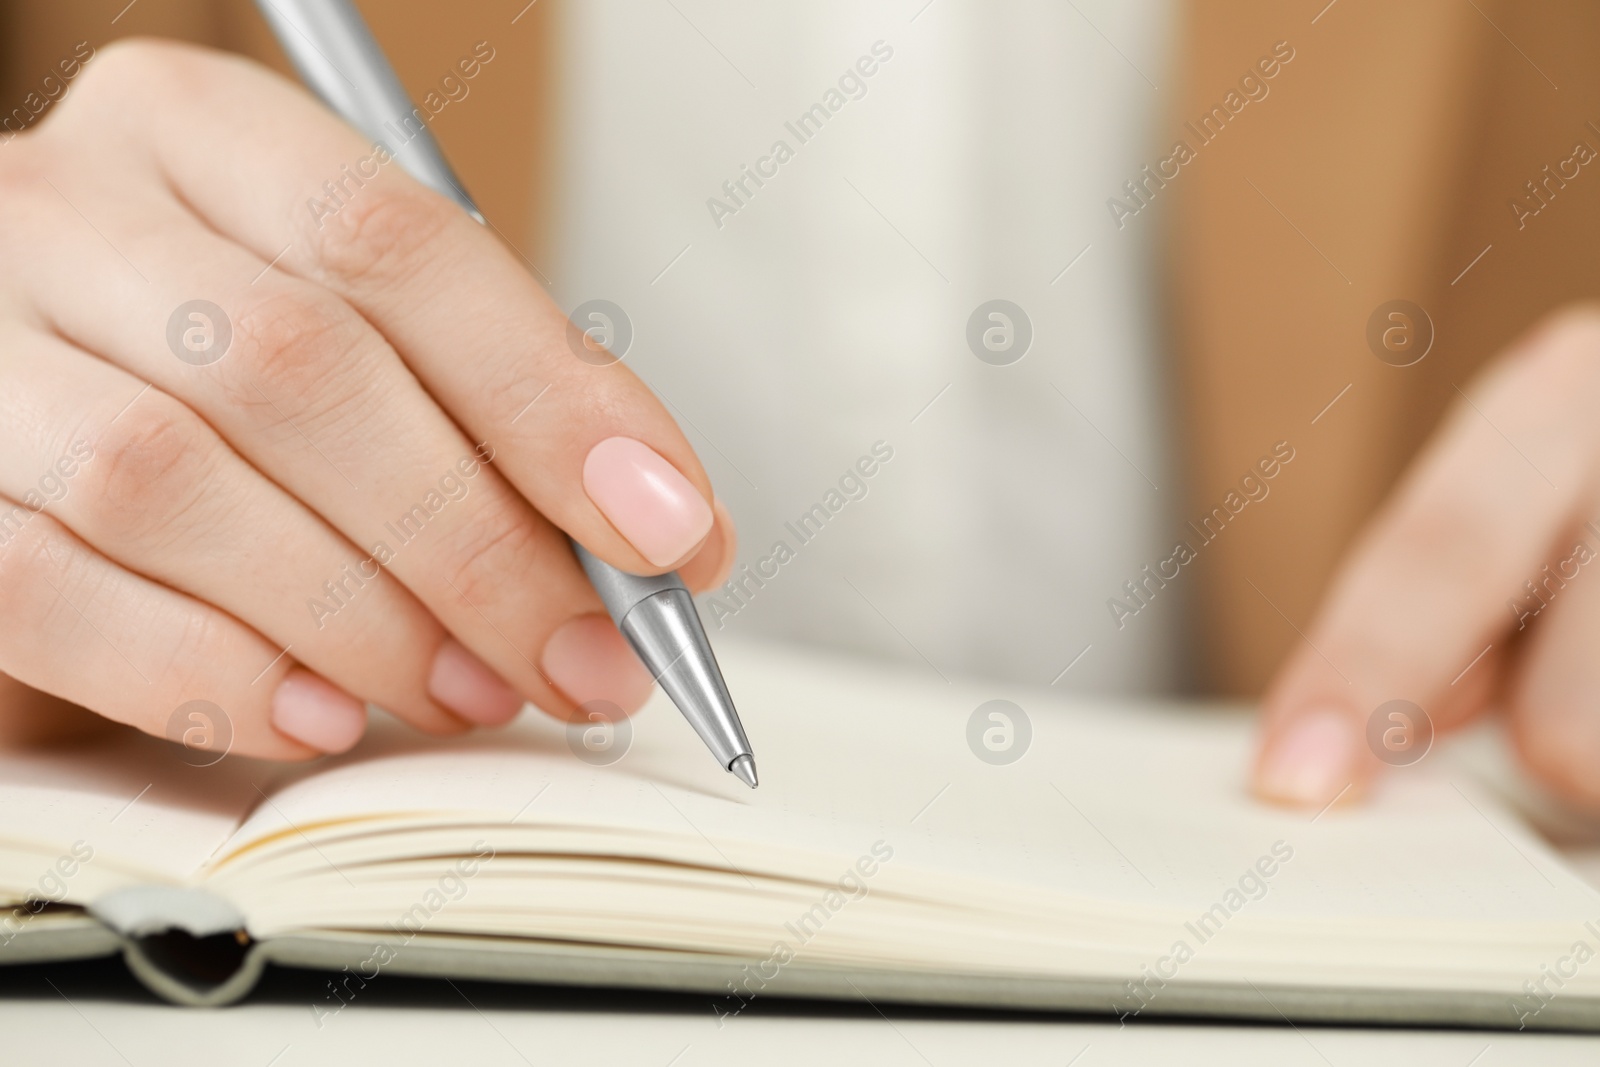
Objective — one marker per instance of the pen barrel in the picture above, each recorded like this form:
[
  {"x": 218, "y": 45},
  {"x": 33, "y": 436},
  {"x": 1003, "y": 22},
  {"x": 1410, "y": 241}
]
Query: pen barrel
[
  {"x": 620, "y": 591},
  {"x": 657, "y": 616},
  {"x": 337, "y": 57},
  {"x": 348, "y": 70},
  {"x": 665, "y": 631}
]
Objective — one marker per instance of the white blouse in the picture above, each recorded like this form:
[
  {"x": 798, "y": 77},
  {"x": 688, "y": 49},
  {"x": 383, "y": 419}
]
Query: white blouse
[{"x": 806, "y": 211}]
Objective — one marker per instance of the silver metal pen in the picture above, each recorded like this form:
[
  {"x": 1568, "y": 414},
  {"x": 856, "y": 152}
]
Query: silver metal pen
[{"x": 338, "y": 59}]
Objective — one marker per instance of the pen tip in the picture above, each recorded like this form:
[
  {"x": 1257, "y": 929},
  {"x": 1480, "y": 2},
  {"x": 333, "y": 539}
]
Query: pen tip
[{"x": 745, "y": 768}]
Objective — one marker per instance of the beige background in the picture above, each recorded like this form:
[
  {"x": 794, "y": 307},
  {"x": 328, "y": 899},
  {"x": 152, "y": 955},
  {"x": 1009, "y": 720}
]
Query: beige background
[{"x": 1388, "y": 153}]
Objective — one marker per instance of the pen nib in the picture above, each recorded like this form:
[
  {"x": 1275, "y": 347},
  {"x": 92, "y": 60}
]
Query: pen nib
[{"x": 745, "y": 768}]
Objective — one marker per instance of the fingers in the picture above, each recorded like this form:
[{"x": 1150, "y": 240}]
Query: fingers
[
  {"x": 1476, "y": 689},
  {"x": 315, "y": 399},
  {"x": 77, "y": 626},
  {"x": 152, "y": 487},
  {"x": 588, "y": 445},
  {"x": 1555, "y": 720},
  {"x": 1426, "y": 590}
]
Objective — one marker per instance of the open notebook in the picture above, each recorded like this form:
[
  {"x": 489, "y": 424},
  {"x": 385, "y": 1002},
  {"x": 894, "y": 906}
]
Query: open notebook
[{"x": 1117, "y": 867}]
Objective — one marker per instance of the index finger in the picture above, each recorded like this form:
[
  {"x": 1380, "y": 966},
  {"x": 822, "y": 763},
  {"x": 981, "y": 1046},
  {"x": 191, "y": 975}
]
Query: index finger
[
  {"x": 1426, "y": 589},
  {"x": 587, "y": 444}
]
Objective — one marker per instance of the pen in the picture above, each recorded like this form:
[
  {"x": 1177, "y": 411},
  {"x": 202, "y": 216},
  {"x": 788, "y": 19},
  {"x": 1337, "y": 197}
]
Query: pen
[{"x": 337, "y": 57}]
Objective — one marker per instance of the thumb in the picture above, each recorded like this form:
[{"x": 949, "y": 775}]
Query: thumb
[
  {"x": 1419, "y": 611},
  {"x": 1320, "y": 743}
]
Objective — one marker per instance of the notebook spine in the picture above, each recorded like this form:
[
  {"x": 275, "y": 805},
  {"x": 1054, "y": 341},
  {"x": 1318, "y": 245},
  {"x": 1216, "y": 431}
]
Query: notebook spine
[{"x": 187, "y": 946}]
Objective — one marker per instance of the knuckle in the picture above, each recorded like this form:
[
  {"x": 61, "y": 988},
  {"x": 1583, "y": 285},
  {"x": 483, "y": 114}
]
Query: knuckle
[
  {"x": 134, "y": 68},
  {"x": 302, "y": 347},
  {"x": 115, "y": 87},
  {"x": 1439, "y": 515},
  {"x": 502, "y": 538},
  {"x": 31, "y": 544},
  {"x": 380, "y": 234},
  {"x": 127, "y": 72},
  {"x": 152, "y": 466},
  {"x": 128, "y": 64},
  {"x": 288, "y": 331},
  {"x": 1449, "y": 533},
  {"x": 191, "y": 647}
]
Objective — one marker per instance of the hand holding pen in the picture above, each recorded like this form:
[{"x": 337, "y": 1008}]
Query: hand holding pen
[{"x": 252, "y": 468}]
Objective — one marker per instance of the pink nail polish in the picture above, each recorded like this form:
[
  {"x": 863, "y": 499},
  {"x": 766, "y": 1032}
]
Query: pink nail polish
[
  {"x": 317, "y": 713},
  {"x": 1313, "y": 761},
  {"x": 464, "y": 684},
  {"x": 588, "y": 659},
  {"x": 646, "y": 499}
]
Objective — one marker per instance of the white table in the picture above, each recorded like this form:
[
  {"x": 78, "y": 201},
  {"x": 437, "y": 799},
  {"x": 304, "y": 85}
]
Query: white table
[{"x": 92, "y": 1014}]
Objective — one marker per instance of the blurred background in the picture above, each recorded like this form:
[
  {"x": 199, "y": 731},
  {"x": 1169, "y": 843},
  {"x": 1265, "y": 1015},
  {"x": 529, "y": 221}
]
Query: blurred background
[{"x": 1174, "y": 314}]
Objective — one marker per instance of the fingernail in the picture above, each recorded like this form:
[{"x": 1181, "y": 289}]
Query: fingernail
[
  {"x": 588, "y": 659},
  {"x": 646, "y": 499},
  {"x": 317, "y": 713},
  {"x": 464, "y": 684},
  {"x": 1311, "y": 762}
]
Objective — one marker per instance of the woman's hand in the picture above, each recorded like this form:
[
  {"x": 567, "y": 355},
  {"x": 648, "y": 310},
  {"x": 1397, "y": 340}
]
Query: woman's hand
[
  {"x": 251, "y": 379},
  {"x": 1477, "y": 586}
]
